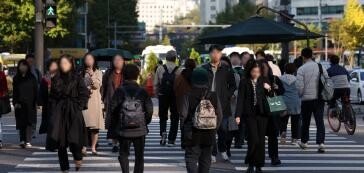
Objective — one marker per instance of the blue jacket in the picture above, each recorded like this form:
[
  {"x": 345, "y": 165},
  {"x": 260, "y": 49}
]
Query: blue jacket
[{"x": 339, "y": 76}]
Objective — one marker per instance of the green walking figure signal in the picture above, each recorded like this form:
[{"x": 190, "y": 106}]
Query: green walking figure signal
[
  {"x": 50, "y": 15},
  {"x": 50, "y": 11}
]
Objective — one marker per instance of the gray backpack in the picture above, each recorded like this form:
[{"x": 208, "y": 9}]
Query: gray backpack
[
  {"x": 205, "y": 116},
  {"x": 132, "y": 112}
]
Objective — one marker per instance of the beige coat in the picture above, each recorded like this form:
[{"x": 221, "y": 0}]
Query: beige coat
[{"x": 93, "y": 116}]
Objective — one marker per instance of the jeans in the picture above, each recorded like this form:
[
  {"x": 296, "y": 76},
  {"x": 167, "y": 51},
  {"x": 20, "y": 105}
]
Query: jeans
[
  {"x": 168, "y": 103},
  {"x": 256, "y": 128},
  {"x": 272, "y": 133},
  {"x": 315, "y": 107},
  {"x": 295, "y": 125},
  {"x": 63, "y": 155},
  {"x": 198, "y": 158},
  {"x": 25, "y": 134},
  {"x": 124, "y": 152}
]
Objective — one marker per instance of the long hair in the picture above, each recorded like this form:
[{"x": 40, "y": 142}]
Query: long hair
[
  {"x": 23, "y": 62},
  {"x": 70, "y": 59},
  {"x": 190, "y": 64},
  {"x": 113, "y": 58},
  {"x": 94, "y": 66},
  {"x": 250, "y": 65},
  {"x": 264, "y": 64}
]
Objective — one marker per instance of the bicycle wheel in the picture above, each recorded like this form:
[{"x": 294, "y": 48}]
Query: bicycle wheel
[
  {"x": 333, "y": 116},
  {"x": 350, "y": 120}
]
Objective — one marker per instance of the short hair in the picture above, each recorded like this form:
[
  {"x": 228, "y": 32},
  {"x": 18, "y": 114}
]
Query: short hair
[
  {"x": 334, "y": 59},
  {"x": 131, "y": 72},
  {"x": 227, "y": 60},
  {"x": 215, "y": 47},
  {"x": 290, "y": 68},
  {"x": 244, "y": 53},
  {"x": 260, "y": 52},
  {"x": 307, "y": 53},
  {"x": 269, "y": 57},
  {"x": 30, "y": 55},
  {"x": 235, "y": 54}
]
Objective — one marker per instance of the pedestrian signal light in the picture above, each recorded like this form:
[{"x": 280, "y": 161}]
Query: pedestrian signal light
[{"x": 50, "y": 15}]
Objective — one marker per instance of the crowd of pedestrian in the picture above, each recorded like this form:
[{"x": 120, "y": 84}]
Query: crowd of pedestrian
[{"x": 220, "y": 104}]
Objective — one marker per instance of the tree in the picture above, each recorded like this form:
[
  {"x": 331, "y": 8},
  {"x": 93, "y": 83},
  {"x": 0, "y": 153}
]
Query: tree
[
  {"x": 151, "y": 63},
  {"x": 122, "y": 12},
  {"x": 195, "y": 56},
  {"x": 17, "y": 21},
  {"x": 166, "y": 41},
  {"x": 313, "y": 42}
]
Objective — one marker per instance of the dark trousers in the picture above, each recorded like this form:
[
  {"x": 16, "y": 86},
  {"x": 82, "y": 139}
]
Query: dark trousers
[
  {"x": 224, "y": 140},
  {"x": 315, "y": 107},
  {"x": 63, "y": 155},
  {"x": 240, "y": 135},
  {"x": 272, "y": 133},
  {"x": 168, "y": 103},
  {"x": 256, "y": 128},
  {"x": 343, "y": 94},
  {"x": 25, "y": 133},
  {"x": 295, "y": 125},
  {"x": 124, "y": 152},
  {"x": 198, "y": 158}
]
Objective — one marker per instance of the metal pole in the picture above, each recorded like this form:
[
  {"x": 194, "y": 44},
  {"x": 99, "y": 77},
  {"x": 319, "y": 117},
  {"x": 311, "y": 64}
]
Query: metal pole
[
  {"x": 86, "y": 13},
  {"x": 108, "y": 23},
  {"x": 161, "y": 28},
  {"x": 326, "y": 46},
  {"x": 115, "y": 35},
  {"x": 320, "y": 14},
  {"x": 39, "y": 35}
]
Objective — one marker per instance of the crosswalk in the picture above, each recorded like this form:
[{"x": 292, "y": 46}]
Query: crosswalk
[{"x": 341, "y": 154}]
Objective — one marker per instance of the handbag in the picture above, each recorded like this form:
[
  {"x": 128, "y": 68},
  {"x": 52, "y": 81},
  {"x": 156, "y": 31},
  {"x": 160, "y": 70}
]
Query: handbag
[
  {"x": 232, "y": 125},
  {"x": 326, "y": 89},
  {"x": 5, "y": 105},
  {"x": 276, "y": 104}
]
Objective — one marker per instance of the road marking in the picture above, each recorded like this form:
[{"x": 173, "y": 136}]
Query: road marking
[
  {"x": 102, "y": 165},
  {"x": 307, "y": 168},
  {"x": 310, "y": 161}
]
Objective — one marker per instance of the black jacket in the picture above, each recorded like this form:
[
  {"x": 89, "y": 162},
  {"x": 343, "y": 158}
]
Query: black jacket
[
  {"x": 194, "y": 136},
  {"x": 224, "y": 85},
  {"x": 245, "y": 104},
  {"x": 115, "y": 108},
  {"x": 68, "y": 97},
  {"x": 25, "y": 94}
]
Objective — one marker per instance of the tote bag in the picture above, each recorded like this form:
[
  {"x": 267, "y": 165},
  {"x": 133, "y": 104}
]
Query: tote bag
[{"x": 276, "y": 104}]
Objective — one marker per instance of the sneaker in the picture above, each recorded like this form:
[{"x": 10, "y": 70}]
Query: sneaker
[
  {"x": 164, "y": 139},
  {"x": 294, "y": 142},
  {"x": 115, "y": 149},
  {"x": 213, "y": 159},
  {"x": 225, "y": 156},
  {"x": 321, "y": 148},
  {"x": 283, "y": 137},
  {"x": 302, "y": 145},
  {"x": 28, "y": 145},
  {"x": 171, "y": 144},
  {"x": 22, "y": 144}
]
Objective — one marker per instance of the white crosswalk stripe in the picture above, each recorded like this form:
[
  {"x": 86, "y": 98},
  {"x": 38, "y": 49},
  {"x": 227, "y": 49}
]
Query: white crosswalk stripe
[{"x": 341, "y": 155}]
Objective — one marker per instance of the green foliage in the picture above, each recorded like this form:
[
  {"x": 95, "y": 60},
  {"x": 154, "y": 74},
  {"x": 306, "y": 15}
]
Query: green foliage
[
  {"x": 239, "y": 12},
  {"x": 195, "y": 56},
  {"x": 151, "y": 63},
  {"x": 313, "y": 42},
  {"x": 122, "y": 12},
  {"x": 166, "y": 41}
]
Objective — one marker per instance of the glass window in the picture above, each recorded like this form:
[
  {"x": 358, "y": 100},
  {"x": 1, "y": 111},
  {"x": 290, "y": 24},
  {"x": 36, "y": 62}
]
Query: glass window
[
  {"x": 354, "y": 75},
  {"x": 307, "y": 11},
  {"x": 213, "y": 8},
  {"x": 361, "y": 76},
  {"x": 338, "y": 9}
]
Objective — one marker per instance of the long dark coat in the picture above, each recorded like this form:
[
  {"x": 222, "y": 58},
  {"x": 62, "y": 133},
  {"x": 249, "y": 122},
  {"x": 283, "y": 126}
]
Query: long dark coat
[
  {"x": 68, "y": 97},
  {"x": 44, "y": 102},
  {"x": 25, "y": 94}
]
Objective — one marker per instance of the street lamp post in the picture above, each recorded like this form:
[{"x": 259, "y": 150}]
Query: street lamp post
[{"x": 39, "y": 34}]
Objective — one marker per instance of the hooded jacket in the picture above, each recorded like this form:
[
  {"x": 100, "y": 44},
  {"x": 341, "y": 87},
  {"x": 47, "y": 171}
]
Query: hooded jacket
[{"x": 290, "y": 96}]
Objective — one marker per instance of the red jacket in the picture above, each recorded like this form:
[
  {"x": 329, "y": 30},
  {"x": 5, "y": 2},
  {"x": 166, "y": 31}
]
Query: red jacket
[{"x": 3, "y": 84}]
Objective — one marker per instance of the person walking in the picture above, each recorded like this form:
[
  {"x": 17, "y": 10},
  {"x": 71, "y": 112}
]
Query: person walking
[
  {"x": 308, "y": 77},
  {"x": 199, "y": 142},
  {"x": 4, "y": 100},
  {"x": 163, "y": 86},
  {"x": 44, "y": 91},
  {"x": 24, "y": 100},
  {"x": 293, "y": 103},
  {"x": 131, "y": 112},
  {"x": 273, "y": 125},
  {"x": 112, "y": 80},
  {"x": 222, "y": 85},
  {"x": 30, "y": 58},
  {"x": 68, "y": 97},
  {"x": 93, "y": 115},
  {"x": 182, "y": 86},
  {"x": 252, "y": 108},
  {"x": 275, "y": 68}
]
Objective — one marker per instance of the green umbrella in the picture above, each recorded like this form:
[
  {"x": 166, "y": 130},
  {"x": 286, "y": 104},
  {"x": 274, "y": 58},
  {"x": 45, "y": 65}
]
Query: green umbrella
[
  {"x": 110, "y": 52},
  {"x": 257, "y": 30}
]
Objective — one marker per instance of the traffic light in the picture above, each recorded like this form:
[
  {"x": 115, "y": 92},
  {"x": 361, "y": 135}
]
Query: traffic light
[{"x": 50, "y": 15}]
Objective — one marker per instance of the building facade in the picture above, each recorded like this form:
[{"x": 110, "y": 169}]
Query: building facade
[
  {"x": 210, "y": 8},
  {"x": 157, "y": 12}
]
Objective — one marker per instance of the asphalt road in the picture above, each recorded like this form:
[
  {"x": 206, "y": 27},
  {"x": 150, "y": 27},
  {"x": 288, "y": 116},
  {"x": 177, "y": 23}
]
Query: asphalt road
[{"x": 344, "y": 154}]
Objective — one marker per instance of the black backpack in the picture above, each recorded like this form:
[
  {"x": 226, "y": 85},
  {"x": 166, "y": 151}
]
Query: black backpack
[
  {"x": 166, "y": 87},
  {"x": 132, "y": 112}
]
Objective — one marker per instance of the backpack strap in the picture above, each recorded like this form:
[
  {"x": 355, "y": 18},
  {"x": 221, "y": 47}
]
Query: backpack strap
[
  {"x": 173, "y": 71},
  {"x": 320, "y": 68},
  {"x": 165, "y": 69}
]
